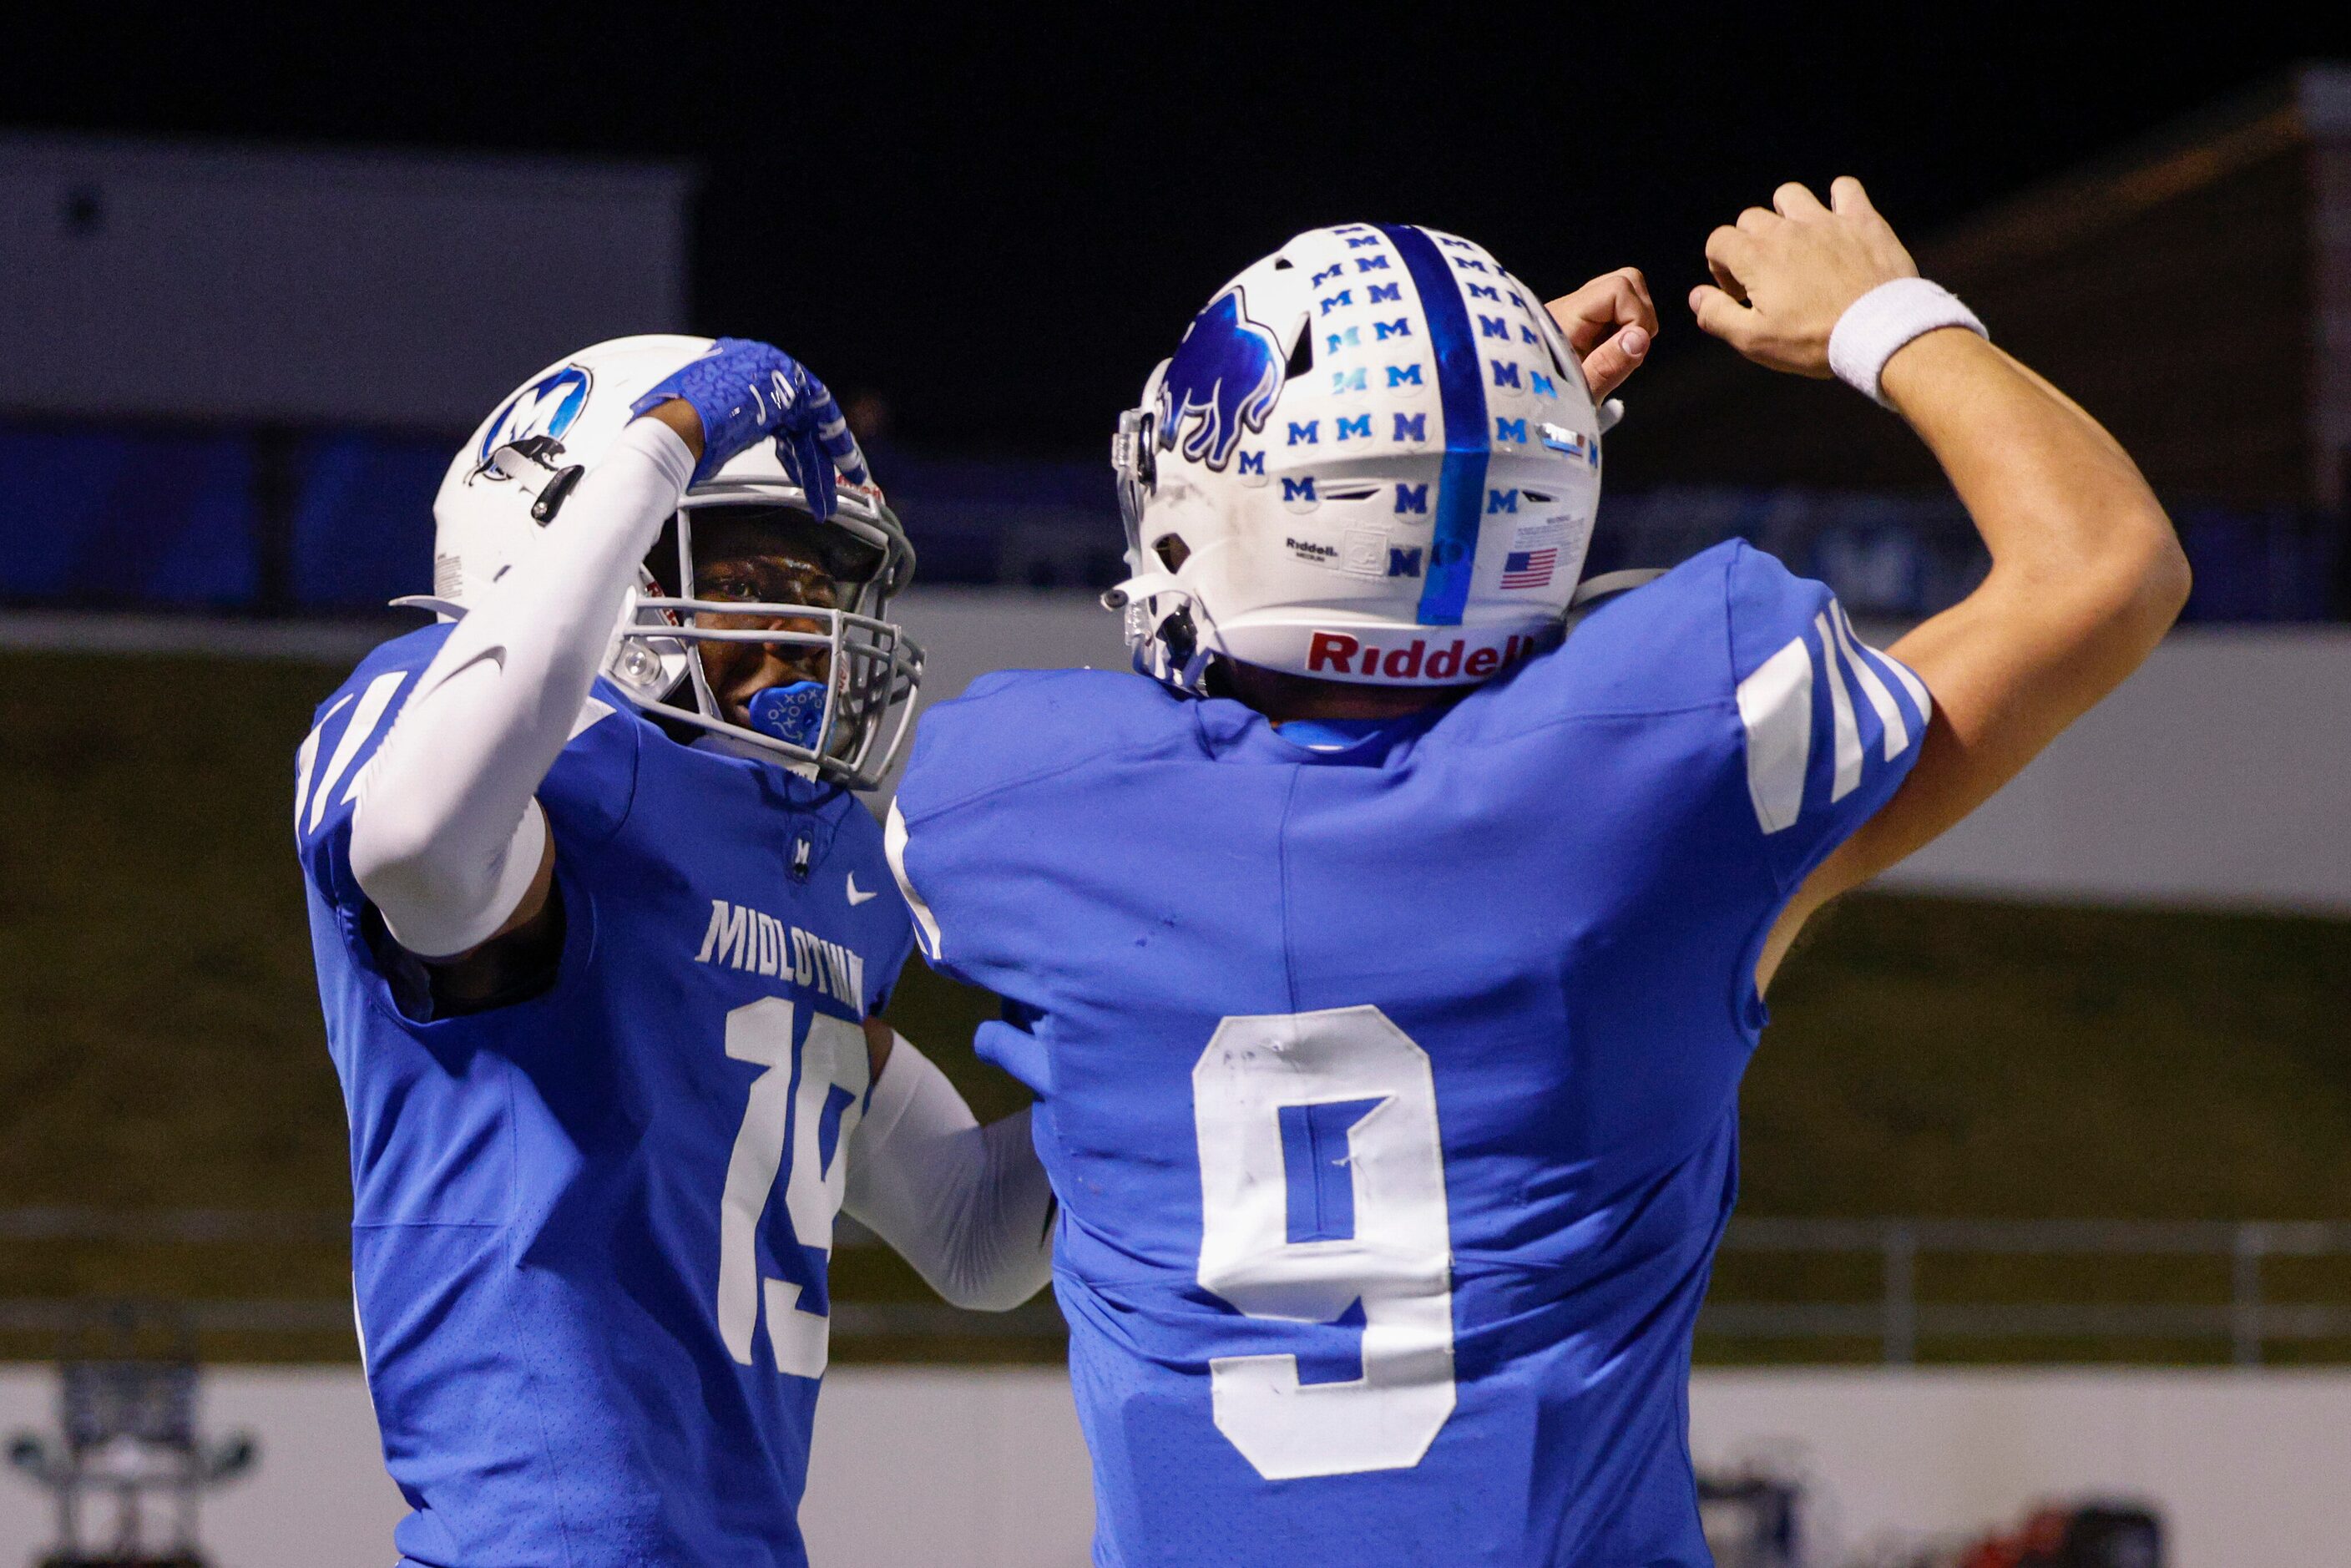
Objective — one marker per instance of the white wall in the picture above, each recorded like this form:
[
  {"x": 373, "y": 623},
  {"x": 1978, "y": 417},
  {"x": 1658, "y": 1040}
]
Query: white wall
[
  {"x": 922, "y": 1468},
  {"x": 2219, "y": 774},
  {"x": 2247, "y": 1467},
  {"x": 943, "y": 1467},
  {"x": 939, "y": 1467},
  {"x": 319, "y": 1497},
  {"x": 193, "y": 280}
]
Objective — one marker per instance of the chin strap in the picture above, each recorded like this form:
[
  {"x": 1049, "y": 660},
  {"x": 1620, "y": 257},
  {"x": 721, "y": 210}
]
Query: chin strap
[
  {"x": 426, "y": 601},
  {"x": 1608, "y": 582},
  {"x": 1147, "y": 586}
]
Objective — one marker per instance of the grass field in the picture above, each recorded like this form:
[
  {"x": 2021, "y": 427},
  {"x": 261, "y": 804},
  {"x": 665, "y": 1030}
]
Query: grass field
[{"x": 160, "y": 1045}]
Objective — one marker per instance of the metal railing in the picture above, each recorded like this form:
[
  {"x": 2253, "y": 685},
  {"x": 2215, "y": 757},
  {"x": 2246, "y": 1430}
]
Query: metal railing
[
  {"x": 200, "y": 1226},
  {"x": 851, "y": 1320},
  {"x": 1896, "y": 1316}
]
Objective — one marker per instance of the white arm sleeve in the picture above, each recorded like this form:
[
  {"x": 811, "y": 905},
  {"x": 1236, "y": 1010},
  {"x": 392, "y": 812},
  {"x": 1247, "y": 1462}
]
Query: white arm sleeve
[
  {"x": 446, "y": 838},
  {"x": 968, "y": 1206}
]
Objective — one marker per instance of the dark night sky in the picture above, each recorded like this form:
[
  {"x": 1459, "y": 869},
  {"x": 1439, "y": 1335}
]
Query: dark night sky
[{"x": 1002, "y": 222}]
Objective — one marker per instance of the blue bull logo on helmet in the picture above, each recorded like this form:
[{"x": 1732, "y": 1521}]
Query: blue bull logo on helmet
[{"x": 1227, "y": 369}]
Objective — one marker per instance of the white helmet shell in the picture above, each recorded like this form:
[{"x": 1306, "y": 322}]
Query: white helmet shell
[
  {"x": 1373, "y": 459},
  {"x": 507, "y": 484}
]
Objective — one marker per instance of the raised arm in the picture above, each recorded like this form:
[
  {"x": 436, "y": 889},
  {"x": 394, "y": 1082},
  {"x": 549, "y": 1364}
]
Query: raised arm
[
  {"x": 2086, "y": 573},
  {"x": 448, "y": 842}
]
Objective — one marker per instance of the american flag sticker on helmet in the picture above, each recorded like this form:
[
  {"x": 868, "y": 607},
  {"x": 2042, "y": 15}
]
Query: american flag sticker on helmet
[{"x": 1530, "y": 568}]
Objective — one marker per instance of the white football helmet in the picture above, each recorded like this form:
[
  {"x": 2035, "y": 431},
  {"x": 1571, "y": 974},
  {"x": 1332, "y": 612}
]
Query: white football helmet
[
  {"x": 510, "y": 482},
  {"x": 1373, "y": 458}
]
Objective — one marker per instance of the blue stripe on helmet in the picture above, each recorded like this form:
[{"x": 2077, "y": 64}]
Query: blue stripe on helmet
[{"x": 1461, "y": 394}]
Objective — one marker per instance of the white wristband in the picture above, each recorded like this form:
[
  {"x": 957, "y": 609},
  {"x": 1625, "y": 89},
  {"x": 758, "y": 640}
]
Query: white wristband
[{"x": 1882, "y": 320}]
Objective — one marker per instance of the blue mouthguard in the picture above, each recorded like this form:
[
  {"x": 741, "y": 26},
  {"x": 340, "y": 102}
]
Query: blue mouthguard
[{"x": 791, "y": 714}]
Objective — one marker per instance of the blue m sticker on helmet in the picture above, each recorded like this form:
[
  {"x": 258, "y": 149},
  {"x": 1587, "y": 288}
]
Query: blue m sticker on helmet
[
  {"x": 1227, "y": 369},
  {"x": 1461, "y": 395}
]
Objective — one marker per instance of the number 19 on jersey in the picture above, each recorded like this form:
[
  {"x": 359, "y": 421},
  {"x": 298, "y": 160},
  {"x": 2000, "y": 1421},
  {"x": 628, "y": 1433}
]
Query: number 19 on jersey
[{"x": 813, "y": 1112}]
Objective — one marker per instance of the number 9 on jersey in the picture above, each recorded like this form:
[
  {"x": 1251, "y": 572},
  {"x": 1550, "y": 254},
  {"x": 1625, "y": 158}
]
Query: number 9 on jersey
[{"x": 1322, "y": 1193}]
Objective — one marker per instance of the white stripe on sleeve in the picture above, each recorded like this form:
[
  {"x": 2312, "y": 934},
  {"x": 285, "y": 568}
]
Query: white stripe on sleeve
[
  {"x": 364, "y": 718},
  {"x": 894, "y": 846},
  {"x": 1889, "y": 712},
  {"x": 1775, "y": 707},
  {"x": 1848, "y": 733},
  {"x": 308, "y": 757},
  {"x": 1919, "y": 698}
]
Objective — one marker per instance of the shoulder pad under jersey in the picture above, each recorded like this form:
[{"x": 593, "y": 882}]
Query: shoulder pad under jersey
[
  {"x": 585, "y": 795},
  {"x": 1023, "y": 724}
]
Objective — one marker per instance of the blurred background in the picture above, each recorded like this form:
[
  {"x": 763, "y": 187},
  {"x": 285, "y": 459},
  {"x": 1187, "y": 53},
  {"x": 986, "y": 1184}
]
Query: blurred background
[{"x": 2044, "y": 1249}]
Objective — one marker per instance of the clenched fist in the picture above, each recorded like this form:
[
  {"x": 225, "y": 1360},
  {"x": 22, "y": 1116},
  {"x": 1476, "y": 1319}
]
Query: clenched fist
[
  {"x": 1786, "y": 275},
  {"x": 1609, "y": 321}
]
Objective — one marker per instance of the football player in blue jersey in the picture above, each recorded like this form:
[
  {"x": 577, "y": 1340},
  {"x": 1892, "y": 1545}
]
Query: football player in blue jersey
[
  {"x": 603, "y": 937},
  {"x": 1386, "y": 966}
]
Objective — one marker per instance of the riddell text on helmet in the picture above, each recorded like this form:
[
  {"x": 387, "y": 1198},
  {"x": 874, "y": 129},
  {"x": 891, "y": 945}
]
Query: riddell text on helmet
[{"x": 1338, "y": 653}]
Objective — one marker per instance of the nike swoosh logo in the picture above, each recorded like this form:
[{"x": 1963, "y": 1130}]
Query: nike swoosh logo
[{"x": 855, "y": 897}]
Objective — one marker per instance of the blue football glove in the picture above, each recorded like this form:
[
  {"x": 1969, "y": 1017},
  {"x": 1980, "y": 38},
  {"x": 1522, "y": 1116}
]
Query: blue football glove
[{"x": 743, "y": 389}]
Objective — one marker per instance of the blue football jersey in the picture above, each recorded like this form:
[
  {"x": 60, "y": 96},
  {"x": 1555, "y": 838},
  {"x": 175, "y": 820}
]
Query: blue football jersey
[
  {"x": 1390, "y": 1090},
  {"x": 591, "y": 1228}
]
